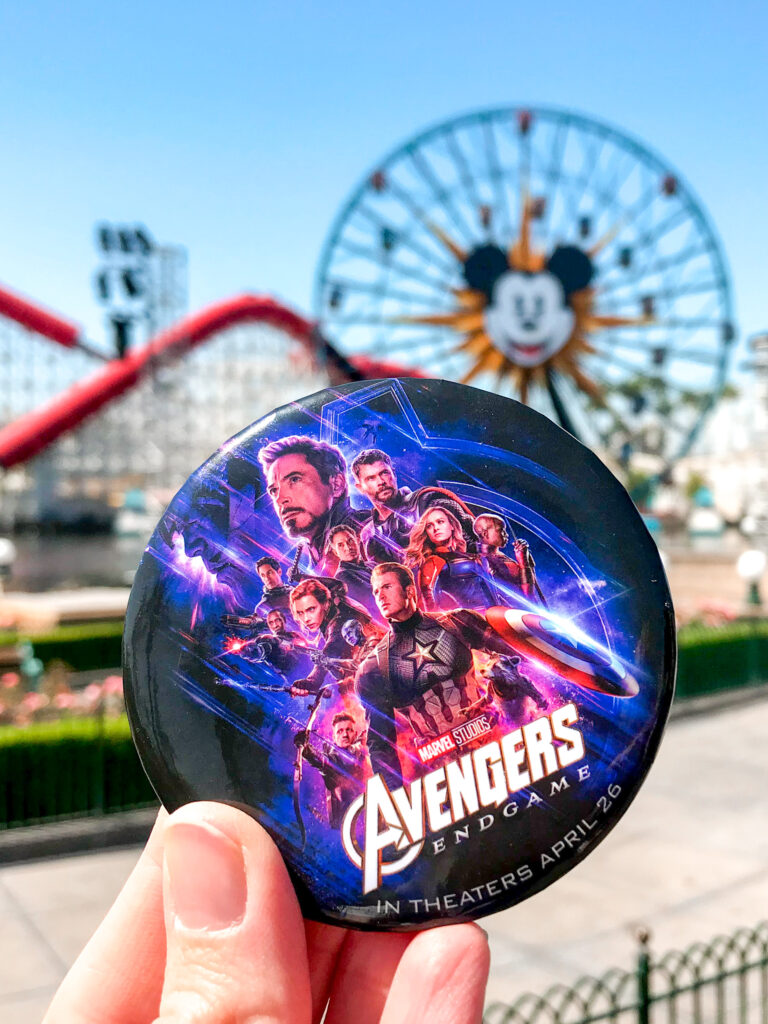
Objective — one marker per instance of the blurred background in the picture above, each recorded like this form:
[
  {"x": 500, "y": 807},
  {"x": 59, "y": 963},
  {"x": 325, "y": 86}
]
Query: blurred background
[{"x": 209, "y": 212}]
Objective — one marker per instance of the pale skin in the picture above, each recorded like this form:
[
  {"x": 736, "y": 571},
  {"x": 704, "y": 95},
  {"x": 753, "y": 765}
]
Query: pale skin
[
  {"x": 395, "y": 602},
  {"x": 345, "y": 547},
  {"x": 207, "y": 930},
  {"x": 378, "y": 483},
  {"x": 300, "y": 496},
  {"x": 309, "y": 612},
  {"x": 438, "y": 527},
  {"x": 344, "y": 734},
  {"x": 270, "y": 576}
]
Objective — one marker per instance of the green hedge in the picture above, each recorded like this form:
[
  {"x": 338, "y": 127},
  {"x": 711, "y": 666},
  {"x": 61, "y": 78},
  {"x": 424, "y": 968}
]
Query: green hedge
[
  {"x": 84, "y": 648},
  {"x": 63, "y": 769},
  {"x": 84, "y": 766},
  {"x": 726, "y": 658}
]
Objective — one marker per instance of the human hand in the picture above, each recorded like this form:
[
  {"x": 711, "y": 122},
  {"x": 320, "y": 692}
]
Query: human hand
[{"x": 207, "y": 930}]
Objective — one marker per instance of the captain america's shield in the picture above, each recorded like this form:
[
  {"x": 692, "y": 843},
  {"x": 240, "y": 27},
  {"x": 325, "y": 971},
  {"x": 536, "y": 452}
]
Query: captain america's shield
[
  {"x": 564, "y": 650},
  {"x": 505, "y": 581}
]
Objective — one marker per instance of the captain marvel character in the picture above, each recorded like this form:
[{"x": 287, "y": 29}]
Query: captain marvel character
[{"x": 447, "y": 576}]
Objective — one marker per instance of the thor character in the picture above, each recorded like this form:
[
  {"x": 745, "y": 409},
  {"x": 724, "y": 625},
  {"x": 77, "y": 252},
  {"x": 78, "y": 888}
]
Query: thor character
[
  {"x": 386, "y": 535},
  {"x": 520, "y": 572},
  {"x": 422, "y": 668},
  {"x": 447, "y": 576},
  {"x": 307, "y": 482}
]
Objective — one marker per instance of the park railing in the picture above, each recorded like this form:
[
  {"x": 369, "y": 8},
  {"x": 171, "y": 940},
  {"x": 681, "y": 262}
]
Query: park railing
[
  {"x": 67, "y": 768},
  {"x": 724, "y": 981}
]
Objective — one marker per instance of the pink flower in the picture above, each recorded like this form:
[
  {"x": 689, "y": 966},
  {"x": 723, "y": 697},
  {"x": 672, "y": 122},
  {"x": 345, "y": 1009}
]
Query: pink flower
[
  {"x": 65, "y": 701},
  {"x": 9, "y": 679},
  {"x": 112, "y": 685},
  {"x": 92, "y": 693},
  {"x": 33, "y": 702}
]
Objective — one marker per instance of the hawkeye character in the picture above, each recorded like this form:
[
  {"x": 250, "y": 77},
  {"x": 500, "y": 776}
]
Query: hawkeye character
[
  {"x": 307, "y": 482},
  {"x": 396, "y": 510},
  {"x": 447, "y": 576},
  {"x": 423, "y": 668},
  {"x": 341, "y": 763}
]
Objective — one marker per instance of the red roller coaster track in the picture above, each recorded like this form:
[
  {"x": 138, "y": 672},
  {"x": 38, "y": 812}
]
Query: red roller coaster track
[{"x": 33, "y": 432}]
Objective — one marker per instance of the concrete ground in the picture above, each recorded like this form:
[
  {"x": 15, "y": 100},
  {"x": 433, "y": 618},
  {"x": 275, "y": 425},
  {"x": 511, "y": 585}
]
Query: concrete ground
[{"x": 689, "y": 860}]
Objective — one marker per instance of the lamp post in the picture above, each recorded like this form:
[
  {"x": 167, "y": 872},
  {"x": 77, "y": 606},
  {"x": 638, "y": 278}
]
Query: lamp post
[
  {"x": 751, "y": 567},
  {"x": 7, "y": 558}
]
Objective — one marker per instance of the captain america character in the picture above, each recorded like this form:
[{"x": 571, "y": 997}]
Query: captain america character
[{"x": 422, "y": 668}]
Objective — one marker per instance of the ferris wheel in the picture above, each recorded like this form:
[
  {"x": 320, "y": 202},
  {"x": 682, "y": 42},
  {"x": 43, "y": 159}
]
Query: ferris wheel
[{"x": 541, "y": 254}]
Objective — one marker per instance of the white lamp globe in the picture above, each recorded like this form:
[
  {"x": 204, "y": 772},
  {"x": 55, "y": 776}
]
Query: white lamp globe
[{"x": 751, "y": 565}]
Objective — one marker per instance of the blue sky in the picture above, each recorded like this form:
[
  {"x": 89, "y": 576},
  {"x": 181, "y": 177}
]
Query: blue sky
[{"x": 237, "y": 129}]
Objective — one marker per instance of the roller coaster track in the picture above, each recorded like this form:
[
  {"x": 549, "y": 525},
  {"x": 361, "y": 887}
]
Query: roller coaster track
[{"x": 33, "y": 432}]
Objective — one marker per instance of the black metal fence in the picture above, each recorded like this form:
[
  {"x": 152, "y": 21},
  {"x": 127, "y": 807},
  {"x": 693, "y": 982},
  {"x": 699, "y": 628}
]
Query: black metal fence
[
  {"x": 722, "y": 982},
  {"x": 68, "y": 768}
]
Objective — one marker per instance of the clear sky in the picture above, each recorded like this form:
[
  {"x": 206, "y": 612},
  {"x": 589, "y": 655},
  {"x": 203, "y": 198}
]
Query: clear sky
[{"x": 238, "y": 128}]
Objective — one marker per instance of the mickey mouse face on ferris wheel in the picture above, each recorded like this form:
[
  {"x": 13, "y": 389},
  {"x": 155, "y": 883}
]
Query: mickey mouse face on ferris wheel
[{"x": 528, "y": 316}]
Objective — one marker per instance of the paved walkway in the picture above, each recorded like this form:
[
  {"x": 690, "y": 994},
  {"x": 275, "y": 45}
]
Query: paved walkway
[{"x": 689, "y": 860}]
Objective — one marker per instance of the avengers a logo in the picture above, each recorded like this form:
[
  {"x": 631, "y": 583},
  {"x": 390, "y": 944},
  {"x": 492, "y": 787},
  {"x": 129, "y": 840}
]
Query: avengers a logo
[
  {"x": 389, "y": 819},
  {"x": 403, "y": 818}
]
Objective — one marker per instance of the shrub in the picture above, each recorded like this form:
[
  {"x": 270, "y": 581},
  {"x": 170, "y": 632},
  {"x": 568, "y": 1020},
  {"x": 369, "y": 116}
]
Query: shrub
[
  {"x": 732, "y": 656},
  {"x": 70, "y": 767},
  {"x": 84, "y": 648}
]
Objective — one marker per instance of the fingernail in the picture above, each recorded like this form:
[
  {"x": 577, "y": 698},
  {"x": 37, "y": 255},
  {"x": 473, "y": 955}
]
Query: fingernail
[{"x": 206, "y": 872}]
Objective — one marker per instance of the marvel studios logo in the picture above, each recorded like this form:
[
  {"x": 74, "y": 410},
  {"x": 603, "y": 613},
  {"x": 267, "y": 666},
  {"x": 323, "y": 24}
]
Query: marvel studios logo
[{"x": 458, "y": 737}]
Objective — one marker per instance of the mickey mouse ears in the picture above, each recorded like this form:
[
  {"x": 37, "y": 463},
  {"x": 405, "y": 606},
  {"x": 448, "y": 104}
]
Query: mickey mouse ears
[{"x": 487, "y": 263}]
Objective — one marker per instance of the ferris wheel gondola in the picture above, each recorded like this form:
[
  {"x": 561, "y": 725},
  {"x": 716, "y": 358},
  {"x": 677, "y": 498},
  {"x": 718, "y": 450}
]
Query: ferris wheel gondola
[{"x": 546, "y": 256}]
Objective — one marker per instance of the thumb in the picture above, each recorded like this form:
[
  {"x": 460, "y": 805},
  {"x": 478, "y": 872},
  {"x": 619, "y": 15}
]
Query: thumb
[{"x": 235, "y": 937}]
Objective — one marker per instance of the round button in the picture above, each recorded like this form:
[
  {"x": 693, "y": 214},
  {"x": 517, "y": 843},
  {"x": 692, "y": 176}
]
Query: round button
[{"x": 415, "y": 629}]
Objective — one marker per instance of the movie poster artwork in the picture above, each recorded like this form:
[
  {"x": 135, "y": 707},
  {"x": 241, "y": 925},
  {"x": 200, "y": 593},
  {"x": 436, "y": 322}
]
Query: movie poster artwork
[{"x": 420, "y": 632}]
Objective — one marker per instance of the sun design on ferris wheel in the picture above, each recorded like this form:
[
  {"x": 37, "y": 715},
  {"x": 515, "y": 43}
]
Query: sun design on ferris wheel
[
  {"x": 544, "y": 255},
  {"x": 525, "y": 311}
]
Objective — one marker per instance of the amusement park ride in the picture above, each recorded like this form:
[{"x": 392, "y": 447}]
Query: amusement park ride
[{"x": 533, "y": 252}]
